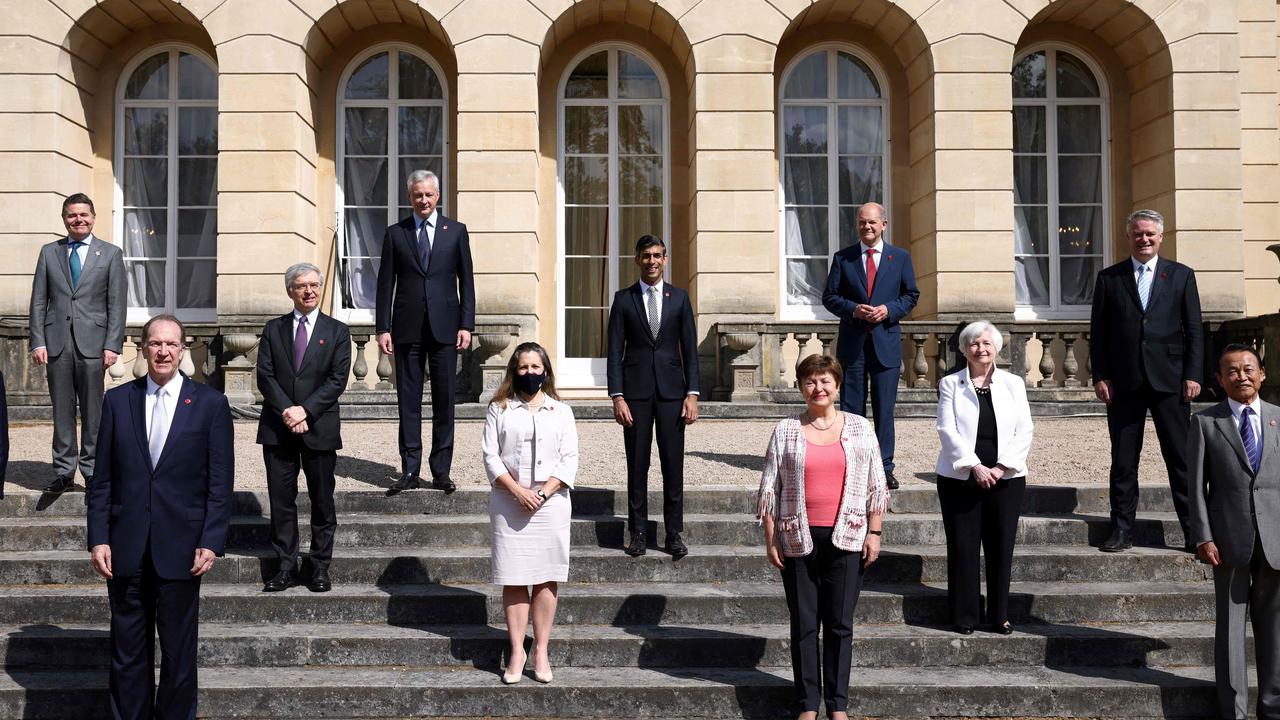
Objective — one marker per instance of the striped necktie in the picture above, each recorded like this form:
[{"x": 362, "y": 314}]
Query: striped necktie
[
  {"x": 1247, "y": 437},
  {"x": 1144, "y": 285}
]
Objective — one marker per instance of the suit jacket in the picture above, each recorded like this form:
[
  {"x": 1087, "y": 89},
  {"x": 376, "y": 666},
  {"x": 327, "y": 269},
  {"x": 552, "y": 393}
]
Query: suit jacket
[
  {"x": 640, "y": 365},
  {"x": 958, "y": 423},
  {"x": 182, "y": 503},
  {"x": 89, "y": 318},
  {"x": 895, "y": 288},
  {"x": 1229, "y": 503},
  {"x": 1164, "y": 345},
  {"x": 316, "y": 385},
  {"x": 416, "y": 304}
]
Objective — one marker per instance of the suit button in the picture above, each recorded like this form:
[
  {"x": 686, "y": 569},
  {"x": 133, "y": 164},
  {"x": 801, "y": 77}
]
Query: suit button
[
  {"x": 539, "y": 462},
  {"x": 68, "y": 317}
]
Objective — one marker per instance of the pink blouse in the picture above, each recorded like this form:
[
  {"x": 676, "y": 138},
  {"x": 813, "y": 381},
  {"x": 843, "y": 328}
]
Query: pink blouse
[{"x": 824, "y": 482}]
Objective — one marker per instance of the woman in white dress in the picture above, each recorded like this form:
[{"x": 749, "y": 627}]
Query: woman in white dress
[{"x": 530, "y": 451}]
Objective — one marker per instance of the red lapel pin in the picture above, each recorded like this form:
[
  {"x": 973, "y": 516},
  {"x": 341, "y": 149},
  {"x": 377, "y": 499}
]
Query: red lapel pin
[
  {"x": 444, "y": 227},
  {"x": 1273, "y": 423},
  {"x": 321, "y": 341},
  {"x": 666, "y": 294},
  {"x": 188, "y": 401},
  {"x": 1164, "y": 276}
]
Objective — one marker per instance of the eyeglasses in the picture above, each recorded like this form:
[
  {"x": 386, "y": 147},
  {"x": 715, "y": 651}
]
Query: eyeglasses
[
  {"x": 155, "y": 345},
  {"x": 307, "y": 286}
]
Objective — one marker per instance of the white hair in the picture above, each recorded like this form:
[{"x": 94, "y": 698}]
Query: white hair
[
  {"x": 975, "y": 329},
  {"x": 1144, "y": 214},
  {"x": 297, "y": 270},
  {"x": 418, "y": 176}
]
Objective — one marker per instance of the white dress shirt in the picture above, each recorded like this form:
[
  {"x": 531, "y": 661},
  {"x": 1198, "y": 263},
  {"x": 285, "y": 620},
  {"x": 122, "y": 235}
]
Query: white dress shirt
[
  {"x": 311, "y": 323},
  {"x": 82, "y": 251},
  {"x": 1255, "y": 419},
  {"x": 433, "y": 222},
  {"x": 545, "y": 440},
  {"x": 875, "y": 258},
  {"x": 1150, "y": 265},
  {"x": 648, "y": 290},
  {"x": 172, "y": 389}
]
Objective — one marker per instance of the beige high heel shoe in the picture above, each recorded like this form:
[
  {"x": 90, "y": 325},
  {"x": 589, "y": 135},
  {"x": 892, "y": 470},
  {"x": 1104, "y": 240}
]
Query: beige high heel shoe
[
  {"x": 546, "y": 677},
  {"x": 514, "y": 672}
]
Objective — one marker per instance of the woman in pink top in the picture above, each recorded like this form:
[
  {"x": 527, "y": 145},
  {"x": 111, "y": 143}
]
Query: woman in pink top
[{"x": 822, "y": 499}]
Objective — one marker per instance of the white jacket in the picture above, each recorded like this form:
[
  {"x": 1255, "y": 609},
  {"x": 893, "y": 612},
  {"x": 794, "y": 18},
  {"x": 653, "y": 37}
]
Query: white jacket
[
  {"x": 555, "y": 441},
  {"x": 958, "y": 424}
]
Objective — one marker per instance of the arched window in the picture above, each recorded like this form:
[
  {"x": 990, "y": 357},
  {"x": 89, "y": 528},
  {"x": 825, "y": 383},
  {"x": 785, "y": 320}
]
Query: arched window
[
  {"x": 391, "y": 121},
  {"x": 613, "y": 189},
  {"x": 1060, "y": 181},
  {"x": 835, "y": 148},
  {"x": 167, "y": 182}
]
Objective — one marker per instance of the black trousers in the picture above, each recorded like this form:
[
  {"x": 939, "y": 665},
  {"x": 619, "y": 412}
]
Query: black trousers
[
  {"x": 822, "y": 588},
  {"x": 637, "y": 440},
  {"x": 441, "y": 361},
  {"x": 141, "y": 607},
  {"x": 975, "y": 518},
  {"x": 283, "y": 463},
  {"x": 1126, "y": 423}
]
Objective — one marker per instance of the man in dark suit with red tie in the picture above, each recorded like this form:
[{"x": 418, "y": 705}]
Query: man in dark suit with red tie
[
  {"x": 303, "y": 361},
  {"x": 159, "y": 507},
  {"x": 1146, "y": 348},
  {"x": 871, "y": 288},
  {"x": 426, "y": 312}
]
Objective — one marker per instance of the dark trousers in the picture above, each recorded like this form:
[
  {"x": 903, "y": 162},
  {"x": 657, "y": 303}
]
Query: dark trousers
[
  {"x": 822, "y": 588},
  {"x": 884, "y": 394},
  {"x": 637, "y": 440},
  {"x": 75, "y": 382},
  {"x": 283, "y": 463},
  {"x": 975, "y": 518},
  {"x": 441, "y": 361},
  {"x": 143, "y": 606},
  {"x": 1252, "y": 591},
  {"x": 1126, "y": 422}
]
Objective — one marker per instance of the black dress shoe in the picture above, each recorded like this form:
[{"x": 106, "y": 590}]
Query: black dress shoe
[
  {"x": 320, "y": 581},
  {"x": 445, "y": 483},
  {"x": 637, "y": 546},
  {"x": 890, "y": 481},
  {"x": 282, "y": 580},
  {"x": 676, "y": 546},
  {"x": 60, "y": 484},
  {"x": 408, "y": 481},
  {"x": 1004, "y": 628},
  {"x": 1119, "y": 540},
  {"x": 963, "y": 629}
]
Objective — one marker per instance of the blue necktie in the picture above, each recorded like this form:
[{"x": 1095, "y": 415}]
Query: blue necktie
[
  {"x": 1251, "y": 449},
  {"x": 424, "y": 244},
  {"x": 75, "y": 262},
  {"x": 1144, "y": 285}
]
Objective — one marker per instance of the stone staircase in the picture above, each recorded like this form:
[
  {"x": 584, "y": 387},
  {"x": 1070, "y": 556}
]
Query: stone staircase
[{"x": 413, "y": 629}]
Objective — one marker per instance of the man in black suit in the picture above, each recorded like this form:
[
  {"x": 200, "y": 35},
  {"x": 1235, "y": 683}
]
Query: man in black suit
[
  {"x": 426, "y": 311},
  {"x": 1147, "y": 354},
  {"x": 653, "y": 380},
  {"x": 303, "y": 361},
  {"x": 159, "y": 508}
]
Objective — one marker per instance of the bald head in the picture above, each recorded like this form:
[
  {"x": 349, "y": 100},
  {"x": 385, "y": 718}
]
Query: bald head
[{"x": 871, "y": 223}]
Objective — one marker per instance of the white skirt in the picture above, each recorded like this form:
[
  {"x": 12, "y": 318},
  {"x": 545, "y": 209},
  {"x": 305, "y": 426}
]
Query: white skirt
[{"x": 529, "y": 548}]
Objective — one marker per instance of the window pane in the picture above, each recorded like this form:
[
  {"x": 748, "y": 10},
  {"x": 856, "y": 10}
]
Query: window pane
[
  {"x": 634, "y": 222},
  {"x": 1031, "y": 280},
  {"x": 1079, "y": 129},
  {"x": 146, "y": 182},
  {"x": 364, "y": 181},
  {"x": 586, "y": 129},
  {"x": 640, "y": 129},
  {"x": 805, "y": 128},
  {"x": 421, "y": 130},
  {"x": 586, "y": 230},
  {"x": 146, "y": 131},
  {"x": 806, "y": 279},
  {"x": 366, "y": 132},
  {"x": 806, "y": 231},
  {"x": 197, "y": 131},
  {"x": 1080, "y": 230},
  {"x": 805, "y": 181},
  {"x": 1078, "y": 276},
  {"x": 1029, "y": 77},
  {"x": 417, "y": 80},
  {"x": 150, "y": 81},
  {"x": 196, "y": 80},
  {"x": 146, "y": 283},
  {"x": 146, "y": 233},
  {"x": 808, "y": 79},
  {"x": 1028, "y": 129},
  {"x": 586, "y": 181},
  {"x": 861, "y": 180},
  {"x": 1079, "y": 179},
  {"x": 197, "y": 283},
  {"x": 1030, "y": 179},
  {"x": 586, "y": 284},
  {"x": 1031, "y": 230},
  {"x": 365, "y": 228},
  {"x": 198, "y": 181},
  {"x": 640, "y": 180},
  {"x": 591, "y": 78},
  {"x": 198, "y": 233},
  {"x": 360, "y": 282},
  {"x": 861, "y": 131},
  {"x": 854, "y": 79},
  {"x": 584, "y": 332},
  {"x": 848, "y": 230},
  {"x": 1074, "y": 77},
  {"x": 635, "y": 78},
  {"x": 369, "y": 81},
  {"x": 628, "y": 271}
]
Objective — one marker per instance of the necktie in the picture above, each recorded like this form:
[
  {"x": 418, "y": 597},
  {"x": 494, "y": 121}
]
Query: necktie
[
  {"x": 1144, "y": 285},
  {"x": 300, "y": 342},
  {"x": 1251, "y": 449},
  {"x": 159, "y": 427},
  {"x": 424, "y": 244},
  {"x": 75, "y": 263},
  {"x": 871, "y": 272},
  {"x": 655, "y": 318}
]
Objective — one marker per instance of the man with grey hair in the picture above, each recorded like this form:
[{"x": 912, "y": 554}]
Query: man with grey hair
[
  {"x": 303, "y": 360},
  {"x": 1147, "y": 354},
  {"x": 426, "y": 312}
]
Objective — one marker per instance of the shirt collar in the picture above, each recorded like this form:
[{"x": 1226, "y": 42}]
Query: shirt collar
[
  {"x": 1150, "y": 264},
  {"x": 646, "y": 287},
  {"x": 86, "y": 241},
  {"x": 173, "y": 386},
  {"x": 433, "y": 218},
  {"x": 1237, "y": 408},
  {"x": 878, "y": 247},
  {"x": 311, "y": 316}
]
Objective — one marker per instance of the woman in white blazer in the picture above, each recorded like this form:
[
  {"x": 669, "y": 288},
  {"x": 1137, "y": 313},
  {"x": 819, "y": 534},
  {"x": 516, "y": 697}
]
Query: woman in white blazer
[
  {"x": 984, "y": 422},
  {"x": 530, "y": 449}
]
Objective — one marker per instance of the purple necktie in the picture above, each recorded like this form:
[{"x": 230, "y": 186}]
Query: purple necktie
[
  {"x": 300, "y": 342},
  {"x": 424, "y": 245}
]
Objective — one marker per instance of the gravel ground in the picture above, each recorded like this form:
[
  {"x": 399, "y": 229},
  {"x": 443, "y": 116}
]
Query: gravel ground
[{"x": 718, "y": 452}]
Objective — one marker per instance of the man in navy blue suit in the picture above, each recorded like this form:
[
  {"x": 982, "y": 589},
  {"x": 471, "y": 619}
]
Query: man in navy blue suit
[
  {"x": 159, "y": 508},
  {"x": 871, "y": 288}
]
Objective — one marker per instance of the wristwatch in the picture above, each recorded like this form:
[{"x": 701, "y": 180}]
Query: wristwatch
[{"x": 542, "y": 495}]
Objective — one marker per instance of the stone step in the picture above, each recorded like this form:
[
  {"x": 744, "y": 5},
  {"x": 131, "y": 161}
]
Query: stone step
[
  {"x": 642, "y": 692},
  {"x": 646, "y": 646},
  {"x": 620, "y": 604}
]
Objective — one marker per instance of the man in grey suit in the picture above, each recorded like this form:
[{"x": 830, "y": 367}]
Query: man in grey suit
[
  {"x": 77, "y": 318},
  {"x": 1233, "y": 451}
]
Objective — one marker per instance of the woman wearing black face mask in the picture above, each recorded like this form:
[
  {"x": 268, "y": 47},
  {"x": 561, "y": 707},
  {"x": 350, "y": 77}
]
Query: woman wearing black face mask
[{"x": 530, "y": 451}]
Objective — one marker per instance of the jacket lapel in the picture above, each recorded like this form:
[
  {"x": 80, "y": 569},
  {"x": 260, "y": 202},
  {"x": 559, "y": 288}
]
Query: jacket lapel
[
  {"x": 637, "y": 295},
  {"x": 1131, "y": 285},
  {"x": 138, "y": 410},
  {"x": 1270, "y": 434},
  {"x": 63, "y": 259},
  {"x": 667, "y": 315},
  {"x": 410, "y": 238},
  {"x": 181, "y": 413},
  {"x": 1160, "y": 278},
  {"x": 319, "y": 336},
  {"x": 860, "y": 268},
  {"x": 92, "y": 255},
  {"x": 444, "y": 234},
  {"x": 286, "y": 341},
  {"x": 1226, "y": 425}
]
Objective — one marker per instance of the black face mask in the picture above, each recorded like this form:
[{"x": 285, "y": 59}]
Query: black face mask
[{"x": 529, "y": 383}]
